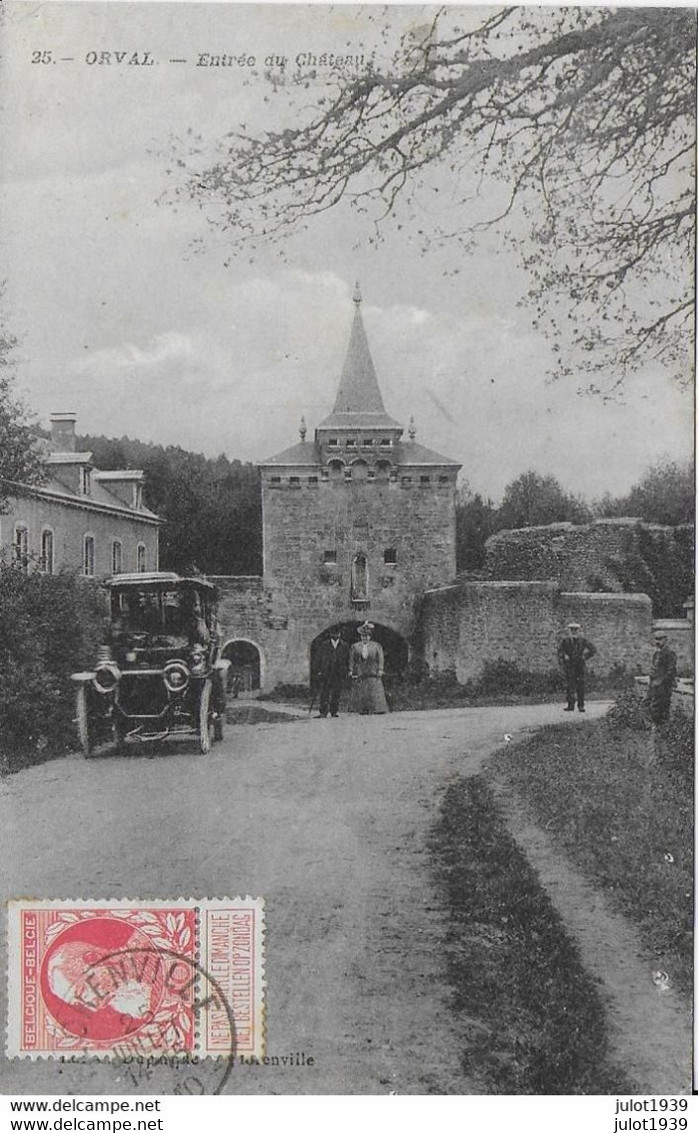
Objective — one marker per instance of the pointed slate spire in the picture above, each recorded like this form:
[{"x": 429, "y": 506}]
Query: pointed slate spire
[{"x": 358, "y": 386}]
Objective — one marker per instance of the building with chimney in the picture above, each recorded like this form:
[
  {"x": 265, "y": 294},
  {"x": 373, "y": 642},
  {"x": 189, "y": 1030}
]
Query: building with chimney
[
  {"x": 79, "y": 518},
  {"x": 358, "y": 521}
]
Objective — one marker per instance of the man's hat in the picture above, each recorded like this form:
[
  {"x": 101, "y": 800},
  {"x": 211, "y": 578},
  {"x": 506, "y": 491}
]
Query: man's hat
[
  {"x": 367, "y": 627},
  {"x": 573, "y": 625}
]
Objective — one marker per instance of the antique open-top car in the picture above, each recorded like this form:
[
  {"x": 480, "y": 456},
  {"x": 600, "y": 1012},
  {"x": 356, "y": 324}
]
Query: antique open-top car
[{"x": 159, "y": 672}]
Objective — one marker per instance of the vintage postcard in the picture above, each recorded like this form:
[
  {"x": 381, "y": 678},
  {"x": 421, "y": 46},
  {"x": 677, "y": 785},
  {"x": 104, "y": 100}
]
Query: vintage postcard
[{"x": 346, "y": 548}]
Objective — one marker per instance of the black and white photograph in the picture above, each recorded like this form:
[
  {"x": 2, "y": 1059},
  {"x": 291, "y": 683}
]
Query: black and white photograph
[{"x": 346, "y": 553}]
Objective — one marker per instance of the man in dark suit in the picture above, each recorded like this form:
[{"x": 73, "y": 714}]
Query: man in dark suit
[
  {"x": 332, "y": 665},
  {"x": 662, "y": 680},
  {"x": 573, "y": 653}
]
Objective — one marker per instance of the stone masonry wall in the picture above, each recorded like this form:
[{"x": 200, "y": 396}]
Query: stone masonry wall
[
  {"x": 602, "y": 555},
  {"x": 467, "y": 624},
  {"x": 302, "y": 523}
]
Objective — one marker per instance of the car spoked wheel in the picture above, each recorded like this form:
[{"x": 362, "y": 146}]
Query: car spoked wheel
[
  {"x": 83, "y": 721},
  {"x": 205, "y": 718}
]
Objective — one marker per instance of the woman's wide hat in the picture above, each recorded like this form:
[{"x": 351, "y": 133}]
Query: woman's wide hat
[{"x": 367, "y": 627}]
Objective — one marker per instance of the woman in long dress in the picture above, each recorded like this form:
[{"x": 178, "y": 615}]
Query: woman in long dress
[{"x": 366, "y": 667}]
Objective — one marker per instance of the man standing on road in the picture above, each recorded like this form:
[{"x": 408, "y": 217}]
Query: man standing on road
[
  {"x": 332, "y": 667},
  {"x": 573, "y": 653},
  {"x": 662, "y": 680}
]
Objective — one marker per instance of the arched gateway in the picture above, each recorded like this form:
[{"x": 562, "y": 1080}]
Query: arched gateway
[
  {"x": 245, "y": 673},
  {"x": 395, "y": 648}
]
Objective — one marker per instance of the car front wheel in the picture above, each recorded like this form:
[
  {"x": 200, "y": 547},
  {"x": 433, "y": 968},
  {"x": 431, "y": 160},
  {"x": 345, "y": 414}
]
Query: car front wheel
[{"x": 205, "y": 719}]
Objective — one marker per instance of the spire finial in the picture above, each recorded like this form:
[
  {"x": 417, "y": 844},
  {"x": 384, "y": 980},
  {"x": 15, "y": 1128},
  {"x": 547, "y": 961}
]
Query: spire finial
[
  {"x": 412, "y": 431},
  {"x": 303, "y": 429},
  {"x": 357, "y": 293}
]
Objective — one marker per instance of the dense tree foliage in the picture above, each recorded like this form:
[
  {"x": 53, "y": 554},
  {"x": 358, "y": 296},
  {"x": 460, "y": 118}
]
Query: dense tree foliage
[
  {"x": 211, "y": 508},
  {"x": 475, "y": 522},
  {"x": 574, "y": 126},
  {"x": 20, "y": 448},
  {"x": 533, "y": 500},
  {"x": 665, "y": 494},
  {"x": 50, "y": 626}
]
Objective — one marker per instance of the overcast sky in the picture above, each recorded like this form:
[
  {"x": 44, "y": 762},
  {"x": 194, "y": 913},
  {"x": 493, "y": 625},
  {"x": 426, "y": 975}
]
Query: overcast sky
[{"x": 123, "y": 320}]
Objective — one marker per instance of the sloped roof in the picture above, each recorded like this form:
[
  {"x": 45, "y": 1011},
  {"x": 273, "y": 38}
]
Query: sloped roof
[
  {"x": 359, "y": 403},
  {"x": 99, "y": 497},
  {"x": 304, "y": 453},
  {"x": 413, "y": 453}
]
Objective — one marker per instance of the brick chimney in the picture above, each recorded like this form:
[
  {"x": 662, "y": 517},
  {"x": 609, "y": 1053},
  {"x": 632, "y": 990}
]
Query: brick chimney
[{"x": 63, "y": 432}]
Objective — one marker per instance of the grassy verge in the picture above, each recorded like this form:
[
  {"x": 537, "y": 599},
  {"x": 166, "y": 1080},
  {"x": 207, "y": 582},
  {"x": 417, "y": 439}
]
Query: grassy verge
[
  {"x": 620, "y": 806},
  {"x": 531, "y": 1018}
]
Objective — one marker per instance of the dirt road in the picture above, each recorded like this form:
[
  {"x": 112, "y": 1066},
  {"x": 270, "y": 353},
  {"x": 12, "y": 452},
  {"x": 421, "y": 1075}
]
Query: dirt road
[{"x": 327, "y": 820}]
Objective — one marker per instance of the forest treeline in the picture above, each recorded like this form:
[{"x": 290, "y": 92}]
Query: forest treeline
[{"x": 212, "y": 507}]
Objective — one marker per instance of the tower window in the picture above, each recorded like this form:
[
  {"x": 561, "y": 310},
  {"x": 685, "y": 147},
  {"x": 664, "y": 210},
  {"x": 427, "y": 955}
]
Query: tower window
[
  {"x": 406, "y": 480},
  {"x": 443, "y": 479},
  {"x": 359, "y": 579},
  {"x": 275, "y": 480},
  {"x": 47, "y": 551},
  {"x": 332, "y": 443},
  {"x": 330, "y": 557},
  {"x": 351, "y": 442},
  {"x": 294, "y": 481},
  {"x": 390, "y": 556},
  {"x": 140, "y": 558},
  {"x": 425, "y": 479},
  {"x": 84, "y": 481},
  {"x": 312, "y": 481},
  {"x": 367, "y": 442},
  {"x": 386, "y": 442}
]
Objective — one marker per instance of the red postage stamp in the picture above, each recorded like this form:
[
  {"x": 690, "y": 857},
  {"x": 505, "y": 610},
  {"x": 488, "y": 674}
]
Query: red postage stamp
[{"x": 120, "y": 978}]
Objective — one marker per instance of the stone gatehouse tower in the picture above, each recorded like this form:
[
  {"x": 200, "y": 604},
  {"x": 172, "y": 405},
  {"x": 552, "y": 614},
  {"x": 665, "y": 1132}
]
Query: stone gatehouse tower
[{"x": 358, "y": 523}]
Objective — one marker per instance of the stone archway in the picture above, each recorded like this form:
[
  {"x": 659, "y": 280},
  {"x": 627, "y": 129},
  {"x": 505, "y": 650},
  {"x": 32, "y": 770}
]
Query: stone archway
[
  {"x": 246, "y": 673},
  {"x": 395, "y": 646}
]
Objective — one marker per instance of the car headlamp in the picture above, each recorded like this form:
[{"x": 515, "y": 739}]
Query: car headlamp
[
  {"x": 176, "y": 676},
  {"x": 107, "y": 677}
]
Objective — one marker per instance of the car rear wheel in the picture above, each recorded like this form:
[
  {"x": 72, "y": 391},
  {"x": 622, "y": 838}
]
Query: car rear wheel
[
  {"x": 83, "y": 721},
  {"x": 205, "y": 719}
]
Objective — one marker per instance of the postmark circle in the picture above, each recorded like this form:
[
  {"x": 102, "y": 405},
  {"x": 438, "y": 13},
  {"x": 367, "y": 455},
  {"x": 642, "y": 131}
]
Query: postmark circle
[{"x": 181, "y": 973}]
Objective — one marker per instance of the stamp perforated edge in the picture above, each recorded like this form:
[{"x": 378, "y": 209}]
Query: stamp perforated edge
[{"x": 201, "y": 907}]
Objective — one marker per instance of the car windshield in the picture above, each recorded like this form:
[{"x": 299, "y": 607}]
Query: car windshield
[{"x": 158, "y": 611}]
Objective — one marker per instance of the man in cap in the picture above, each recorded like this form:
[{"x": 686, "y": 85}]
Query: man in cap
[
  {"x": 573, "y": 653},
  {"x": 366, "y": 667},
  {"x": 332, "y": 664},
  {"x": 662, "y": 679}
]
